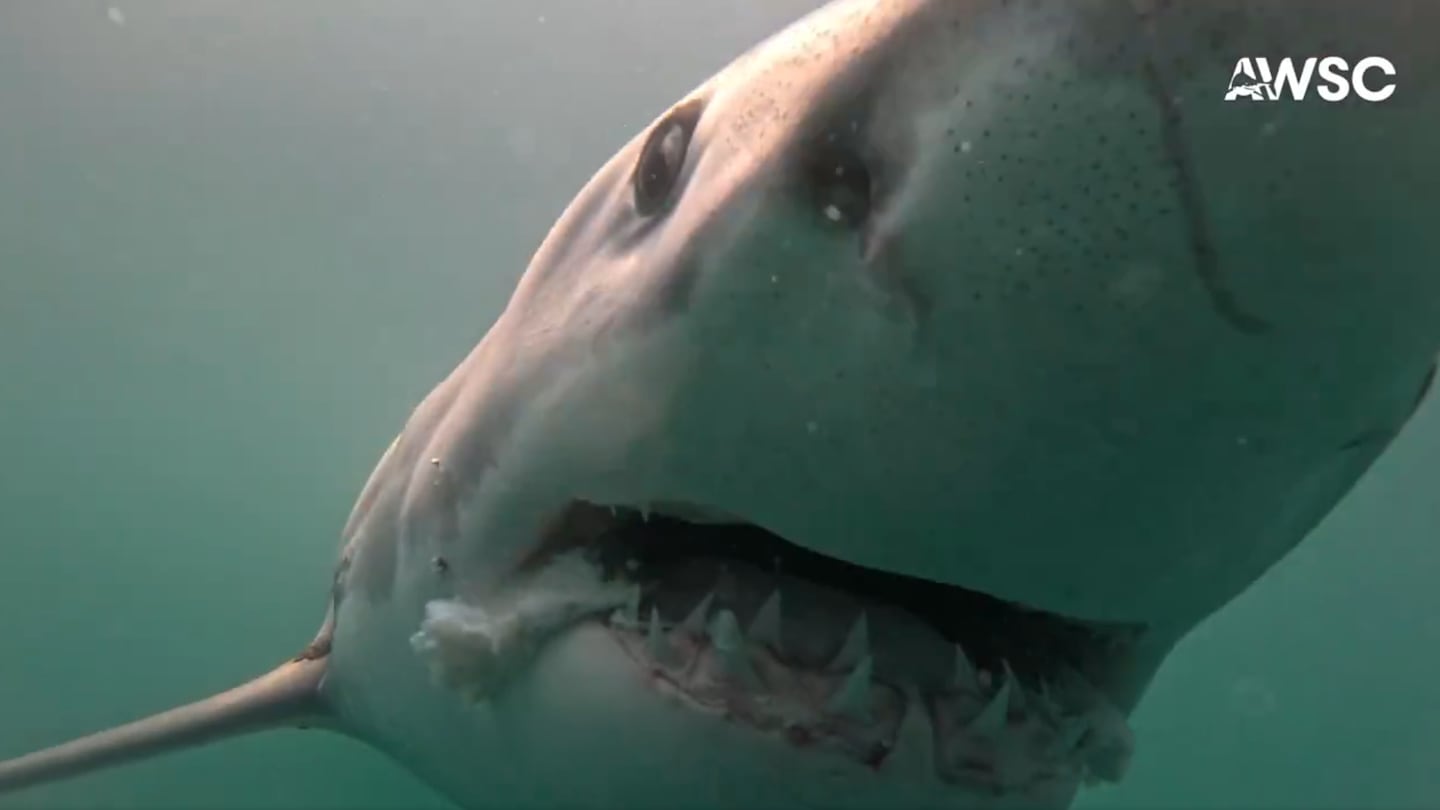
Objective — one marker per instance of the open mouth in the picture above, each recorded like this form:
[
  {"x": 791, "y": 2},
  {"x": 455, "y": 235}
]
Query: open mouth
[{"x": 880, "y": 667}]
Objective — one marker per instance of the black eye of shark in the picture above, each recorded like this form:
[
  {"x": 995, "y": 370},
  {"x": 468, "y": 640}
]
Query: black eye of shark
[
  {"x": 837, "y": 182},
  {"x": 657, "y": 172}
]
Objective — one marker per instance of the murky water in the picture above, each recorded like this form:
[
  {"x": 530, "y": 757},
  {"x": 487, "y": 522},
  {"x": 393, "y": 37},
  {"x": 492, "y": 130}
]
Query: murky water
[{"x": 238, "y": 241}]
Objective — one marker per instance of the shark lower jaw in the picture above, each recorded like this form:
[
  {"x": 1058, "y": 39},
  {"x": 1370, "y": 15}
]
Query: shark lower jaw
[{"x": 892, "y": 673}]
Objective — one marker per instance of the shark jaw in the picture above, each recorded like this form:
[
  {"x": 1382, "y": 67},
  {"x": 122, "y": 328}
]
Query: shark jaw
[{"x": 886, "y": 672}]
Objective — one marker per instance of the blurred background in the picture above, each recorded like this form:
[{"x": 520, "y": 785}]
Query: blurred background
[{"x": 240, "y": 240}]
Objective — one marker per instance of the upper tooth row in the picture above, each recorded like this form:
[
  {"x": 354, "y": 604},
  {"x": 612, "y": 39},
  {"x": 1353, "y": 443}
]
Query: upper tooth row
[
  {"x": 765, "y": 629},
  {"x": 683, "y": 511}
]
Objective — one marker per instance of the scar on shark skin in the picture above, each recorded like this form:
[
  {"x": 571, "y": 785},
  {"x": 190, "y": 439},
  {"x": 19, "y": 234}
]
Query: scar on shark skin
[{"x": 1192, "y": 203}]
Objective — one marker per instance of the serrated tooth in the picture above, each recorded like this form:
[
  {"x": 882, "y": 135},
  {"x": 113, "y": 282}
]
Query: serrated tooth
[
  {"x": 655, "y": 641},
  {"x": 729, "y": 644},
  {"x": 853, "y": 697},
  {"x": 992, "y": 719},
  {"x": 914, "y": 748},
  {"x": 1017, "y": 695},
  {"x": 856, "y": 646},
  {"x": 653, "y": 637},
  {"x": 632, "y": 605},
  {"x": 965, "y": 676},
  {"x": 725, "y": 631},
  {"x": 765, "y": 629},
  {"x": 696, "y": 622}
]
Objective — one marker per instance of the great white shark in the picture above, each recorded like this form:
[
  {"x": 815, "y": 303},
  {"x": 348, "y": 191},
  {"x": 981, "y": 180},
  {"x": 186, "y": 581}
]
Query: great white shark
[{"x": 871, "y": 427}]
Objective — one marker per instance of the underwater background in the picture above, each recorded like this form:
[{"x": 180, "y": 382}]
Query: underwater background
[{"x": 240, "y": 240}]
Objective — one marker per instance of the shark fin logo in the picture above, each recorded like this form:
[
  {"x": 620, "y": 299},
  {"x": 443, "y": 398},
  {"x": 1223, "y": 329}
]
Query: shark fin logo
[{"x": 1244, "y": 83}]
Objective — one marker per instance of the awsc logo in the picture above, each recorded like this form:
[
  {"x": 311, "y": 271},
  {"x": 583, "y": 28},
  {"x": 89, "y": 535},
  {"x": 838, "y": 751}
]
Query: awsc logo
[{"x": 1257, "y": 79}]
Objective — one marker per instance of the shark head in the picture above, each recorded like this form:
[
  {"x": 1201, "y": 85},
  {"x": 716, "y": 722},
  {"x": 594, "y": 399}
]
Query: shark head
[
  {"x": 874, "y": 423},
  {"x": 929, "y": 372}
]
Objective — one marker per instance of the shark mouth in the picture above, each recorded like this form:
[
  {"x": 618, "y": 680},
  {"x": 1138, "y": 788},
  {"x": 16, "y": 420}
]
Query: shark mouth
[{"x": 890, "y": 671}]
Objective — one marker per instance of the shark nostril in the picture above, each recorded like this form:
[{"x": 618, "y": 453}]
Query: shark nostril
[{"x": 837, "y": 183}]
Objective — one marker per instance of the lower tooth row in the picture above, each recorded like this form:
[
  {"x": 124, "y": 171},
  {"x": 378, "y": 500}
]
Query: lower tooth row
[{"x": 852, "y": 698}]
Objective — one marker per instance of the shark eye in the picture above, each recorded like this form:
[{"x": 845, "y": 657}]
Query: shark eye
[
  {"x": 661, "y": 159},
  {"x": 839, "y": 184}
]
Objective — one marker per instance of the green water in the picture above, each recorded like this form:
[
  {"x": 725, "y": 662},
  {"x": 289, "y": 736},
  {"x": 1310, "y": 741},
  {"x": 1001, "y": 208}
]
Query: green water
[{"x": 238, "y": 241}]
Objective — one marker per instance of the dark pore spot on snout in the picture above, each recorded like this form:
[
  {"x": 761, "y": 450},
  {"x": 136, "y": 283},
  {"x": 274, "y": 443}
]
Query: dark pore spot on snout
[{"x": 835, "y": 182}]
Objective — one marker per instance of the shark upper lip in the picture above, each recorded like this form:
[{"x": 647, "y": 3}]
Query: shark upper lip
[{"x": 743, "y": 624}]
